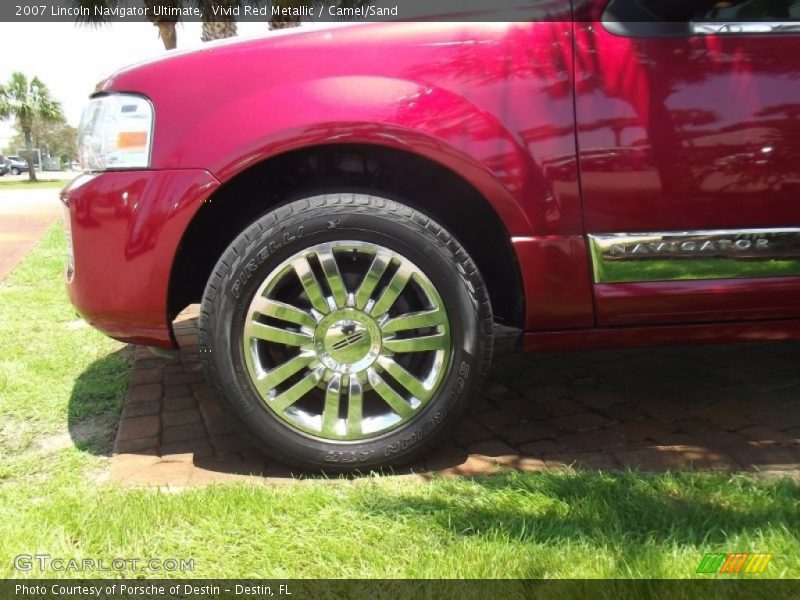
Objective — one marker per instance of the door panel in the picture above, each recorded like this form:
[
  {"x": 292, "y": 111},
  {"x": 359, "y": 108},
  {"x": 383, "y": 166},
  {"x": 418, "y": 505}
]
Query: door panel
[
  {"x": 691, "y": 135},
  {"x": 703, "y": 301}
]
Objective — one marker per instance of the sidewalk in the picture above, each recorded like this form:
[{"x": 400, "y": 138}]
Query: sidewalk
[{"x": 25, "y": 216}]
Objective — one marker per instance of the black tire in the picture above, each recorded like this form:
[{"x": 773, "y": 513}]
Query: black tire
[
  {"x": 327, "y": 218},
  {"x": 15, "y": 171}
]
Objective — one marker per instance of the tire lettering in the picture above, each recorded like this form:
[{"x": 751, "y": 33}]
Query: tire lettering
[
  {"x": 437, "y": 418},
  {"x": 250, "y": 268},
  {"x": 263, "y": 254},
  {"x": 346, "y": 457},
  {"x": 418, "y": 435}
]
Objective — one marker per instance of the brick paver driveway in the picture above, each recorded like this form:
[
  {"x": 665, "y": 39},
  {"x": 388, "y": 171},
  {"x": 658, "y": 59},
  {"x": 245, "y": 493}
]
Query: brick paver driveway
[
  {"x": 707, "y": 407},
  {"x": 25, "y": 215}
]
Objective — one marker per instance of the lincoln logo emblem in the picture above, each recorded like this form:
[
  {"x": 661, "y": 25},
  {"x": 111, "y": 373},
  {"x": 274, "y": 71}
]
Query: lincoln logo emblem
[{"x": 349, "y": 338}]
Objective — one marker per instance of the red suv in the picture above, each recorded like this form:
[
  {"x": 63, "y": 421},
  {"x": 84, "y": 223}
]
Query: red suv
[{"x": 355, "y": 207}]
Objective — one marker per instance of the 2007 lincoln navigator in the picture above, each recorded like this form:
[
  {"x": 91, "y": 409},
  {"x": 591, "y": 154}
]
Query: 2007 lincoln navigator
[{"x": 356, "y": 207}]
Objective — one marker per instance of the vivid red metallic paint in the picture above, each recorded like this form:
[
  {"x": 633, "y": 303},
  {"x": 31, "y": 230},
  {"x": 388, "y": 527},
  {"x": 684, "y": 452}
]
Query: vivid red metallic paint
[
  {"x": 496, "y": 103},
  {"x": 126, "y": 227},
  {"x": 697, "y": 301},
  {"x": 557, "y": 284},
  {"x": 688, "y": 133}
]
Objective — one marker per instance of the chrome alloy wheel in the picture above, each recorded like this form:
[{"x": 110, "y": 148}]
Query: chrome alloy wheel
[{"x": 346, "y": 340}]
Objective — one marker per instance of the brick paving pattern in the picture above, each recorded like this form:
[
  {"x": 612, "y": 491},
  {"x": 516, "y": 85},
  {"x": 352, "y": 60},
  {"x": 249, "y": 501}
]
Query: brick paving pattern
[
  {"x": 25, "y": 216},
  {"x": 727, "y": 408}
]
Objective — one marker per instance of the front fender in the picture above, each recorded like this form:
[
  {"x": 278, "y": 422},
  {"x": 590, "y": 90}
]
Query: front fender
[{"x": 406, "y": 115}]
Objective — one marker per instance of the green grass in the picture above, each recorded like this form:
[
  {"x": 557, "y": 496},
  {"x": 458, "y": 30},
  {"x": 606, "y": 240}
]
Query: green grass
[
  {"x": 540, "y": 525},
  {"x": 55, "y": 371},
  {"x": 42, "y": 184},
  {"x": 56, "y": 375}
]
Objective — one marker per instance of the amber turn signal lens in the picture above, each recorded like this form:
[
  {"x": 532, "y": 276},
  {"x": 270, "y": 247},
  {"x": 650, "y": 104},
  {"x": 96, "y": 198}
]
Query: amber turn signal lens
[{"x": 131, "y": 139}]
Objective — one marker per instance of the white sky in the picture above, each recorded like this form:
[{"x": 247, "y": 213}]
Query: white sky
[{"x": 72, "y": 58}]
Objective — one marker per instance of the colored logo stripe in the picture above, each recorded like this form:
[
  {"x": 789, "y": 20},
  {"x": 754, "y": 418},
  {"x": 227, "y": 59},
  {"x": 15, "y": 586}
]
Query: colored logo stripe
[
  {"x": 711, "y": 563},
  {"x": 733, "y": 563},
  {"x": 757, "y": 563}
]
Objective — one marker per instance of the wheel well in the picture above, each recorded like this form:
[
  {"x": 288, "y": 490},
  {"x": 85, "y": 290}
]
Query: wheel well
[{"x": 417, "y": 181}]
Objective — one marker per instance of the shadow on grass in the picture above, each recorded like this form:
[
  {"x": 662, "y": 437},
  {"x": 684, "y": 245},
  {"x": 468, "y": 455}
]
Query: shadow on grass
[
  {"x": 96, "y": 402},
  {"x": 620, "y": 524},
  {"x": 624, "y": 509}
]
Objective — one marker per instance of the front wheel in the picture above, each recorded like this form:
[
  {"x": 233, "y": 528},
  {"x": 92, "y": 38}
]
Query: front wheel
[
  {"x": 15, "y": 171},
  {"x": 348, "y": 331}
]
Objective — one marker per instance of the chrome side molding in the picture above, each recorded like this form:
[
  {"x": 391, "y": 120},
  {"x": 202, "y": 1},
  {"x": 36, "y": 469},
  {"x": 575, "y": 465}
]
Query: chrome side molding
[
  {"x": 744, "y": 27},
  {"x": 712, "y": 254}
]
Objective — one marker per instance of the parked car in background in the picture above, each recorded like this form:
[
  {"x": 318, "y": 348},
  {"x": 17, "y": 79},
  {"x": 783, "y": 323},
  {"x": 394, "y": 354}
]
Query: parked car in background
[
  {"x": 4, "y": 168},
  {"x": 358, "y": 206},
  {"x": 16, "y": 165}
]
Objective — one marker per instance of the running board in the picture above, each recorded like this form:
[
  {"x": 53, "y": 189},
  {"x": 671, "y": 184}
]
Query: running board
[{"x": 603, "y": 338}]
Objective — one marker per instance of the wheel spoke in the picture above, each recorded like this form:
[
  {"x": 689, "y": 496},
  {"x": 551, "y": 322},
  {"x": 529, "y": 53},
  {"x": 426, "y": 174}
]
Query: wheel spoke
[
  {"x": 417, "y": 344},
  {"x": 392, "y": 291},
  {"x": 281, "y": 373},
  {"x": 283, "y": 401},
  {"x": 355, "y": 407},
  {"x": 404, "y": 378},
  {"x": 415, "y": 320},
  {"x": 397, "y": 403},
  {"x": 310, "y": 284},
  {"x": 330, "y": 414},
  {"x": 334, "y": 277},
  {"x": 282, "y": 311},
  {"x": 371, "y": 279},
  {"x": 276, "y": 334}
]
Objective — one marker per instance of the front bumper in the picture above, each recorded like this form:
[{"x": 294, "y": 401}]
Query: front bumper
[{"x": 125, "y": 229}]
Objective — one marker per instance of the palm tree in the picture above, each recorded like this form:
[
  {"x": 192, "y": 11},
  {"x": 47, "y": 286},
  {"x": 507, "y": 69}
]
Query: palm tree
[
  {"x": 28, "y": 101},
  {"x": 167, "y": 26},
  {"x": 214, "y": 27},
  {"x": 219, "y": 28}
]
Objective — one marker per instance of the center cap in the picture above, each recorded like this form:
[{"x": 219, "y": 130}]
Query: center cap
[{"x": 347, "y": 340}]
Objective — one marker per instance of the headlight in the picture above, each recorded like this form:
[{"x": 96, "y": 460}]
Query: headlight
[{"x": 116, "y": 132}]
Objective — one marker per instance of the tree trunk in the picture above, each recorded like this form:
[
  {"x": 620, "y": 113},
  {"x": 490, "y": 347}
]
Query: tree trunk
[
  {"x": 287, "y": 21},
  {"x": 168, "y": 34},
  {"x": 218, "y": 30},
  {"x": 224, "y": 26},
  {"x": 674, "y": 170},
  {"x": 29, "y": 150},
  {"x": 167, "y": 31},
  {"x": 224, "y": 23},
  {"x": 284, "y": 24}
]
